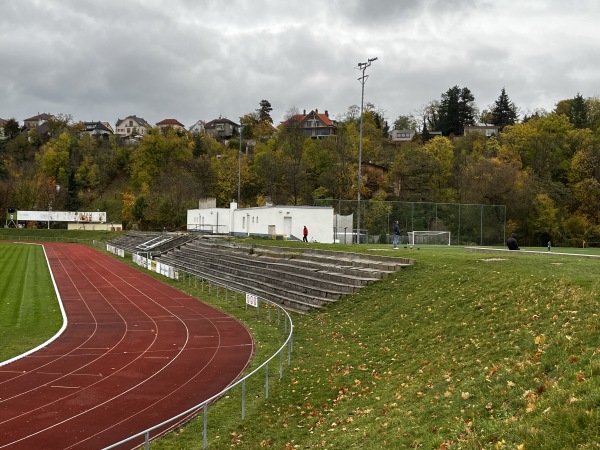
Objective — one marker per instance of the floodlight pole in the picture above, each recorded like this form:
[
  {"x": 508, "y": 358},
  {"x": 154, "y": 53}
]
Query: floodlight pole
[
  {"x": 363, "y": 79},
  {"x": 239, "y": 167}
]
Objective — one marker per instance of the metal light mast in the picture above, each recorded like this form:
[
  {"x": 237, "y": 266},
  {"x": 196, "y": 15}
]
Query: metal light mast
[{"x": 363, "y": 79}]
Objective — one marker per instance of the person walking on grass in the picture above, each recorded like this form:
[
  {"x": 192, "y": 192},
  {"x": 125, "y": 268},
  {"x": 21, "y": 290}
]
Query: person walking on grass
[
  {"x": 305, "y": 234},
  {"x": 396, "y": 235}
]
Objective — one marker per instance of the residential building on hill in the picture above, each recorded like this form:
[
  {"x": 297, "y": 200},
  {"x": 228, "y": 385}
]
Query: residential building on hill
[
  {"x": 488, "y": 130},
  {"x": 132, "y": 125},
  {"x": 173, "y": 123},
  {"x": 402, "y": 135},
  {"x": 314, "y": 124},
  {"x": 2, "y": 123},
  {"x": 108, "y": 126},
  {"x": 97, "y": 129},
  {"x": 221, "y": 129},
  {"x": 199, "y": 127},
  {"x": 38, "y": 120}
]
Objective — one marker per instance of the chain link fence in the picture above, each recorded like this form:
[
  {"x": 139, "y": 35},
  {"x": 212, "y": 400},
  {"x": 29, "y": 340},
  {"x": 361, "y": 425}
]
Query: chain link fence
[{"x": 469, "y": 224}]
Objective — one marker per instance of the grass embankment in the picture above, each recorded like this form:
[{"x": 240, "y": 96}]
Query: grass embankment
[
  {"x": 29, "y": 310},
  {"x": 461, "y": 351}
]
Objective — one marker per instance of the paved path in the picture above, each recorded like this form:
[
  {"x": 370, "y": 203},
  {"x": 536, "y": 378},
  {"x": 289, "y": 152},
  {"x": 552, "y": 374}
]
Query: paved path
[{"x": 135, "y": 352}]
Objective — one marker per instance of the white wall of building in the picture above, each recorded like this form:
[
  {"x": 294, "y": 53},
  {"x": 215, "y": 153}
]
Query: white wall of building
[{"x": 288, "y": 221}]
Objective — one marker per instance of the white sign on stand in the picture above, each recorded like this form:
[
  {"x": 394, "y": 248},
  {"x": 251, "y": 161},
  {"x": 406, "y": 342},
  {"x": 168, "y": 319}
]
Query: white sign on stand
[{"x": 252, "y": 300}]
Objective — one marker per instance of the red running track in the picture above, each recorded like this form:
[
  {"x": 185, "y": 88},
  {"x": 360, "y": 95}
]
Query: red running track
[{"x": 135, "y": 353}]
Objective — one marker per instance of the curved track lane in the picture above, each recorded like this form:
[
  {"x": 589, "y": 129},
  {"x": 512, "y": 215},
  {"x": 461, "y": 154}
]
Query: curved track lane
[{"x": 135, "y": 352}]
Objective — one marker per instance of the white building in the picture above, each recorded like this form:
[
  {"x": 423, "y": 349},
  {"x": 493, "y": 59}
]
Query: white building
[{"x": 274, "y": 221}]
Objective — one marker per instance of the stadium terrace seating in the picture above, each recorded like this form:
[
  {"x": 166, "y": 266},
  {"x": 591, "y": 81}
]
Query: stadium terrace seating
[{"x": 299, "y": 279}]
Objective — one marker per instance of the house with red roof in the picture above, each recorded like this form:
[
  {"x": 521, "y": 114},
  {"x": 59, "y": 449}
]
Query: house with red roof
[
  {"x": 173, "y": 123},
  {"x": 315, "y": 125}
]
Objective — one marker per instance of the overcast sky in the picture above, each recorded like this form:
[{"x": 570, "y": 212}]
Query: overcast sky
[{"x": 201, "y": 59}]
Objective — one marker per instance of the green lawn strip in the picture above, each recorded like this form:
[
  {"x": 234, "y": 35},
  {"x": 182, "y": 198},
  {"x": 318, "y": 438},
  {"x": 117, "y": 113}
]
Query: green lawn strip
[
  {"x": 461, "y": 351},
  {"x": 29, "y": 309},
  {"x": 52, "y": 235}
]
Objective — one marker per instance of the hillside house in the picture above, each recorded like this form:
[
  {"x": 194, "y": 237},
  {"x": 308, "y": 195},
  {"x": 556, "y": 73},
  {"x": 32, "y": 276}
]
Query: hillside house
[
  {"x": 131, "y": 126},
  {"x": 199, "y": 127},
  {"x": 2, "y": 123},
  {"x": 98, "y": 129},
  {"x": 402, "y": 135},
  {"x": 172, "y": 123},
  {"x": 487, "y": 130},
  {"x": 38, "y": 120},
  {"x": 221, "y": 129},
  {"x": 314, "y": 124}
]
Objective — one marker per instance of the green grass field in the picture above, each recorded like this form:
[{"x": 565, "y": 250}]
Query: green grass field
[
  {"x": 29, "y": 310},
  {"x": 461, "y": 351}
]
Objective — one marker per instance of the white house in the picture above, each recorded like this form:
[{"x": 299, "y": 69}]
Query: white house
[
  {"x": 277, "y": 220},
  {"x": 402, "y": 135},
  {"x": 198, "y": 127},
  {"x": 131, "y": 125}
]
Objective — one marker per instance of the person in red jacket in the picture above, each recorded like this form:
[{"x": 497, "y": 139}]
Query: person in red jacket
[{"x": 305, "y": 234}]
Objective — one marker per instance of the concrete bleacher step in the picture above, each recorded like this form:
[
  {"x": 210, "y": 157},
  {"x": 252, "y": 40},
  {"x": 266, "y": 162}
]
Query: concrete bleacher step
[
  {"x": 272, "y": 282},
  {"x": 328, "y": 264},
  {"x": 302, "y": 305},
  {"x": 328, "y": 275},
  {"x": 358, "y": 260}
]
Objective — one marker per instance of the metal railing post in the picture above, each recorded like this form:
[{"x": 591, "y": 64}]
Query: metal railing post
[
  {"x": 243, "y": 399},
  {"x": 280, "y": 365},
  {"x": 205, "y": 426},
  {"x": 267, "y": 381}
]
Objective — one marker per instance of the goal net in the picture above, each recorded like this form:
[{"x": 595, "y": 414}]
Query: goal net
[{"x": 429, "y": 237}]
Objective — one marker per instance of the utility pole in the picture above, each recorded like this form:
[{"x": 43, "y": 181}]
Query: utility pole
[{"x": 363, "y": 79}]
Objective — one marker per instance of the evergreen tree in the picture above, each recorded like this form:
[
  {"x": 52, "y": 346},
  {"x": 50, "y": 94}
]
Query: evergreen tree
[
  {"x": 578, "y": 112},
  {"x": 425, "y": 133},
  {"x": 504, "y": 111},
  {"x": 264, "y": 112},
  {"x": 456, "y": 109}
]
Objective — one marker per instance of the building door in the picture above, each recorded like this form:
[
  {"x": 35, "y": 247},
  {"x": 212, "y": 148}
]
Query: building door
[{"x": 287, "y": 226}]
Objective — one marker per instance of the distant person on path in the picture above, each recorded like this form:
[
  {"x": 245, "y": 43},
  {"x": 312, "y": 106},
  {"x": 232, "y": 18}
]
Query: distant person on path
[
  {"x": 396, "y": 235},
  {"x": 305, "y": 234},
  {"x": 512, "y": 242}
]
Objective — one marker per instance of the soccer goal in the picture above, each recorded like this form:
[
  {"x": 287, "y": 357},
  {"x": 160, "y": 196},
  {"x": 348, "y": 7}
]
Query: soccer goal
[{"x": 429, "y": 237}]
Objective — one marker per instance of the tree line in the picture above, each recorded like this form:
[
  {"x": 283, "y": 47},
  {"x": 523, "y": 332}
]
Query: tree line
[{"x": 545, "y": 167}]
